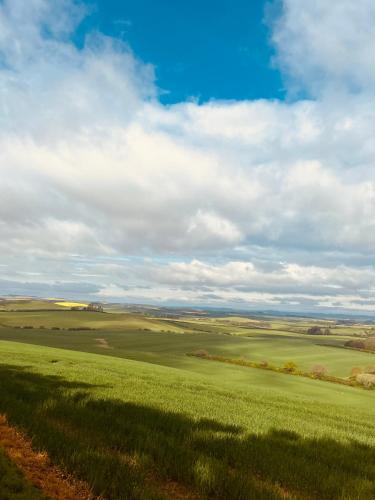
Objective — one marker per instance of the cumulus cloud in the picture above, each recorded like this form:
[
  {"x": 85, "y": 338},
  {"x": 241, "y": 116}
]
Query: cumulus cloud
[
  {"x": 327, "y": 45},
  {"x": 244, "y": 198}
]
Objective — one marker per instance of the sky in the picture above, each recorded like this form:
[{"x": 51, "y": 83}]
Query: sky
[
  {"x": 165, "y": 152},
  {"x": 200, "y": 50}
]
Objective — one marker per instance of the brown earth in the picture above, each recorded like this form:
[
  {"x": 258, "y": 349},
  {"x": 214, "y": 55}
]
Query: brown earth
[{"x": 38, "y": 468}]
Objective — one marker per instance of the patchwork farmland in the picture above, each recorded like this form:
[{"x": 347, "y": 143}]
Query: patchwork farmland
[{"x": 140, "y": 405}]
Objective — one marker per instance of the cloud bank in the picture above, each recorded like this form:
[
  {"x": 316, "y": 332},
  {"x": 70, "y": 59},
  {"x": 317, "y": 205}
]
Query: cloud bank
[{"x": 105, "y": 192}]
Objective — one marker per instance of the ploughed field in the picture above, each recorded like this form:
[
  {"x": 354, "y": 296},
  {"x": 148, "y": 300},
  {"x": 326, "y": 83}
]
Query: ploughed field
[{"x": 116, "y": 402}]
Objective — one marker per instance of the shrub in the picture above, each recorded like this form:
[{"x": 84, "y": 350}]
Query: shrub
[
  {"x": 355, "y": 344},
  {"x": 290, "y": 367},
  {"x": 367, "y": 344},
  {"x": 79, "y": 328},
  {"x": 243, "y": 359},
  {"x": 356, "y": 371},
  {"x": 200, "y": 353},
  {"x": 366, "y": 379},
  {"x": 319, "y": 371},
  {"x": 315, "y": 330},
  {"x": 370, "y": 344}
]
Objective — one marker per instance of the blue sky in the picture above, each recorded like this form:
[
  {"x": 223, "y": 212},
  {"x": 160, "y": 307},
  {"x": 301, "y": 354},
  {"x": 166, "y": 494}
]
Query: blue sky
[
  {"x": 201, "y": 50},
  {"x": 189, "y": 153}
]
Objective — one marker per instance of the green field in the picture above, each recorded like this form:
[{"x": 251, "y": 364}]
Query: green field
[
  {"x": 121, "y": 406},
  {"x": 155, "y": 340}
]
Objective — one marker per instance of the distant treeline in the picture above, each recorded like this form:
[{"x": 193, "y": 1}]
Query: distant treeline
[
  {"x": 318, "y": 330},
  {"x": 363, "y": 344}
]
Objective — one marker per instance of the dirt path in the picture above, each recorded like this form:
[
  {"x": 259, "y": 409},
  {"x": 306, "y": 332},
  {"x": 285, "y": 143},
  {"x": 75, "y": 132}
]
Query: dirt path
[{"x": 38, "y": 468}]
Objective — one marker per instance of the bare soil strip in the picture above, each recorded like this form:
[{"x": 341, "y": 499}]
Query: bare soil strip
[{"x": 38, "y": 468}]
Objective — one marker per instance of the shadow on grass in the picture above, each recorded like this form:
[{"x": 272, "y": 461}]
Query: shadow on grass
[
  {"x": 129, "y": 451},
  {"x": 13, "y": 485}
]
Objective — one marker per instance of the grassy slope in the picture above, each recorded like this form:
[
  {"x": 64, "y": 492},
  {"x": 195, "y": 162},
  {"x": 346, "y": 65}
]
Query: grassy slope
[
  {"x": 67, "y": 319},
  {"x": 169, "y": 350},
  {"x": 129, "y": 428},
  {"x": 126, "y": 337},
  {"x": 28, "y": 304}
]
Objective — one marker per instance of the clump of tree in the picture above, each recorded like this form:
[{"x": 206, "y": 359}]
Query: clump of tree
[
  {"x": 364, "y": 377},
  {"x": 79, "y": 328},
  {"x": 318, "y": 330},
  {"x": 201, "y": 353},
  {"x": 370, "y": 370},
  {"x": 355, "y": 372},
  {"x": 355, "y": 344},
  {"x": 290, "y": 367},
  {"x": 367, "y": 380},
  {"x": 94, "y": 307},
  {"x": 319, "y": 371},
  {"x": 366, "y": 344}
]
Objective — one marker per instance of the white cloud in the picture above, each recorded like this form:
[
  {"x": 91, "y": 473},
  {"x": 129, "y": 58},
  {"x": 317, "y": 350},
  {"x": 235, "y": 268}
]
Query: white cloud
[
  {"x": 92, "y": 164},
  {"x": 283, "y": 277},
  {"x": 327, "y": 45},
  {"x": 207, "y": 226}
]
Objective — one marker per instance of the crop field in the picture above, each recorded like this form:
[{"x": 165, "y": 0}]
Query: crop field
[
  {"x": 117, "y": 401},
  {"x": 167, "y": 341}
]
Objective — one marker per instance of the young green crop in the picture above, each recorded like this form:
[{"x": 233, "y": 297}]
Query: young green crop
[{"x": 133, "y": 429}]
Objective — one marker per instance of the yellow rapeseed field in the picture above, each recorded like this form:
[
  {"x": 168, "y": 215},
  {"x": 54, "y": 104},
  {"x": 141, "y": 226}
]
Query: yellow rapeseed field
[{"x": 70, "y": 304}]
